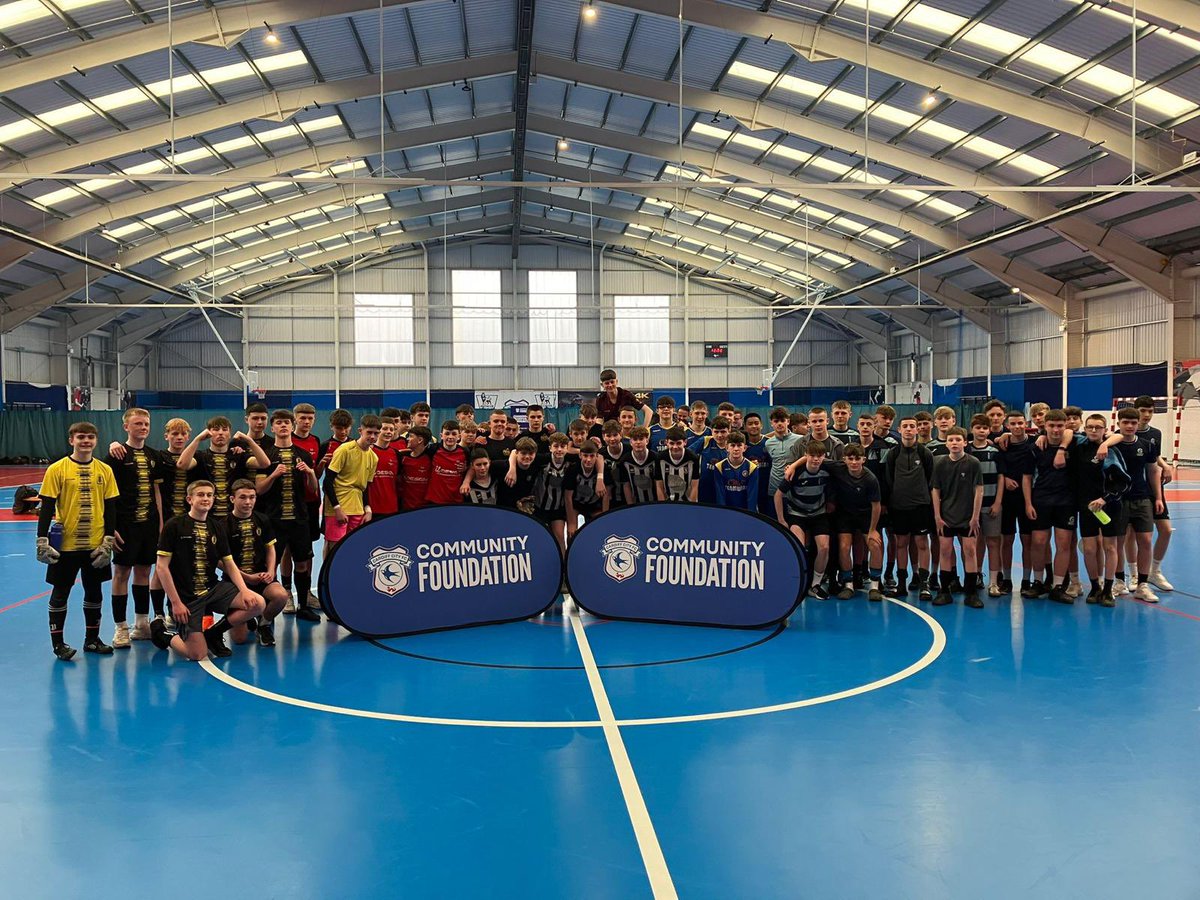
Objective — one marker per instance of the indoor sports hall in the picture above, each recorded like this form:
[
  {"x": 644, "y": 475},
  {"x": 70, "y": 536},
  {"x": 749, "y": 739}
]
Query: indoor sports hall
[{"x": 605, "y": 449}]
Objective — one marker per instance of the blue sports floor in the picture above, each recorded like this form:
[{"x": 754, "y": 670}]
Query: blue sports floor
[{"x": 868, "y": 750}]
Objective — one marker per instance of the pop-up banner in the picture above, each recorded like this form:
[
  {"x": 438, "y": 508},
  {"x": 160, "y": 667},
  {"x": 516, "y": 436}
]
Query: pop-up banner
[
  {"x": 687, "y": 564},
  {"x": 441, "y": 567}
]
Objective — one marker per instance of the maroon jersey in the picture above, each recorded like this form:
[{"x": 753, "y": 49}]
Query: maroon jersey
[
  {"x": 447, "y": 475},
  {"x": 312, "y": 446},
  {"x": 383, "y": 491},
  {"x": 415, "y": 472}
]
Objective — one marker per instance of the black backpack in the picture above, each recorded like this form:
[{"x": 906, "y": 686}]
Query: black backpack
[{"x": 25, "y": 501}]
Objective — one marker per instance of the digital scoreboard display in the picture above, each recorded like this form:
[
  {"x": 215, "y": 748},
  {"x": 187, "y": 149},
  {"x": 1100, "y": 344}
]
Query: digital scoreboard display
[{"x": 716, "y": 351}]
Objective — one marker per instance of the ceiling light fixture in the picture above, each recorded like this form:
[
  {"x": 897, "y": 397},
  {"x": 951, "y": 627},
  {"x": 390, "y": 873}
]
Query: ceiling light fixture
[
  {"x": 931, "y": 98},
  {"x": 563, "y": 145},
  {"x": 271, "y": 37},
  {"x": 589, "y": 11}
]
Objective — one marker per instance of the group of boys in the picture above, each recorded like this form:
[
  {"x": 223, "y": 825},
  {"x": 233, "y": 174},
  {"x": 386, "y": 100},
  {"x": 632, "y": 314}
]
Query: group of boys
[{"x": 866, "y": 500}]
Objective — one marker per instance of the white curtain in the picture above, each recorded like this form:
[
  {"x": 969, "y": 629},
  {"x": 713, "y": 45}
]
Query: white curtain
[
  {"x": 642, "y": 330},
  {"x": 477, "y": 317},
  {"x": 383, "y": 329},
  {"x": 553, "y": 319}
]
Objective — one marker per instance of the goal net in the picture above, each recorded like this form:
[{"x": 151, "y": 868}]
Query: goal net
[{"x": 1179, "y": 423}]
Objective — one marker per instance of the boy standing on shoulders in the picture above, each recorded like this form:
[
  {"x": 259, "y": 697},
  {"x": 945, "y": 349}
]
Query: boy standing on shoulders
[{"x": 79, "y": 493}]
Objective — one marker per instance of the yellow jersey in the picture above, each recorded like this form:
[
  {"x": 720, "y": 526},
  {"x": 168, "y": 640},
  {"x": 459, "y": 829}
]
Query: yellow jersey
[
  {"x": 353, "y": 470},
  {"x": 79, "y": 491}
]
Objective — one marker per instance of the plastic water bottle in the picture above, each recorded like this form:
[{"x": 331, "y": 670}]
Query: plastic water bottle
[
  {"x": 1103, "y": 517},
  {"x": 56, "y": 534}
]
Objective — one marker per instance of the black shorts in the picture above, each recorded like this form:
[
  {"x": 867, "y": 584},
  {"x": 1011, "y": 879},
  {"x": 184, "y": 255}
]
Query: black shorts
[
  {"x": 74, "y": 564},
  {"x": 1165, "y": 514},
  {"x": 314, "y": 520},
  {"x": 852, "y": 521},
  {"x": 217, "y": 600},
  {"x": 139, "y": 543},
  {"x": 1055, "y": 516},
  {"x": 1138, "y": 515},
  {"x": 1012, "y": 514},
  {"x": 956, "y": 531},
  {"x": 912, "y": 521},
  {"x": 810, "y": 525},
  {"x": 550, "y": 515},
  {"x": 1090, "y": 526},
  {"x": 293, "y": 535}
]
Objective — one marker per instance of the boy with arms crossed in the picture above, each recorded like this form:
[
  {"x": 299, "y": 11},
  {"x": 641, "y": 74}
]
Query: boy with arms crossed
[
  {"x": 1055, "y": 505},
  {"x": 282, "y": 487},
  {"x": 908, "y": 469}
]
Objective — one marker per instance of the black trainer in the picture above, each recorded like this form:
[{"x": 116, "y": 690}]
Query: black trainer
[
  {"x": 1093, "y": 596},
  {"x": 1006, "y": 585},
  {"x": 1107, "y": 599},
  {"x": 1059, "y": 595},
  {"x": 216, "y": 644},
  {"x": 973, "y": 600},
  {"x": 266, "y": 635},
  {"x": 926, "y": 594},
  {"x": 252, "y": 624},
  {"x": 956, "y": 586},
  {"x": 819, "y": 592},
  {"x": 159, "y": 635},
  {"x": 64, "y": 652},
  {"x": 846, "y": 591},
  {"x": 307, "y": 614},
  {"x": 943, "y": 598},
  {"x": 95, "y": 645}
]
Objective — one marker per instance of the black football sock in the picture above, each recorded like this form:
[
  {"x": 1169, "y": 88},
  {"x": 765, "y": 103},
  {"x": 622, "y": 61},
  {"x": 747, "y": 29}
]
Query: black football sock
[
  {"x": 1096, "y": 585},
  {"x": 1142, "y": 578},
  {"x": 141, "y": 599},
  {"x": 1108, "y": 583},
  {"x": 58, "y": 615},
  {"x": 286, "y": 581},
  {"x": 93, "y": 604},
  {"x": 1066, "y": 581},
  {"x": 902, "y": 580},
  {"x": 303, "y": 586},
  {"x": 120, "y": 607},
  {"x": 220, "y": 627},
  {"x": 923, "y": 577},
  {"x": 158, "y": 597},
  {"x": 945, "y": 579}
]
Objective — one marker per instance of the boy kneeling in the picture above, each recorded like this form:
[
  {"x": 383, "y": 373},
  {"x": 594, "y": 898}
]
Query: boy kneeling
[{"x": 190, "y": 550}]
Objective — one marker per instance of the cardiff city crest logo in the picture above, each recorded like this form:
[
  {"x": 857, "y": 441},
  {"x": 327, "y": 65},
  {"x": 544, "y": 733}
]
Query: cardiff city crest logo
[
  {"x": 620, "y": 557},
  {"x": 390, "y": 568}
]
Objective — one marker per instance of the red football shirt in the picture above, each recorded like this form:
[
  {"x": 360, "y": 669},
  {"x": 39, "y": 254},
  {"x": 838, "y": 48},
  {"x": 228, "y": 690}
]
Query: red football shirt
[
  {"x": 415, "y": 472},
  {"x": 446, "y": 478},
  {"x": 383, "y": 489},
  {"x": 312, "y": 446}
]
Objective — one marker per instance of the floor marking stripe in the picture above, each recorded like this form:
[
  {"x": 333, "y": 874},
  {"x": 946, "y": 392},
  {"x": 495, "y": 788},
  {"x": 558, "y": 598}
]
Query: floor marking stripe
[
  {"x": 935, "y": 650},
  {"x": 1148, "y": 605},
  {"x": 23, "y": 602},
  {"x": 643, "y": 829},
  {"x": 221, "y": 675}
]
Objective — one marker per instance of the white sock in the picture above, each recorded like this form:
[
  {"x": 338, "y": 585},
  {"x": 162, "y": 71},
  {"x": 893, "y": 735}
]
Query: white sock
[
  {"x": 1154, "y": 567},
  {"x": 141, "y": 619}
]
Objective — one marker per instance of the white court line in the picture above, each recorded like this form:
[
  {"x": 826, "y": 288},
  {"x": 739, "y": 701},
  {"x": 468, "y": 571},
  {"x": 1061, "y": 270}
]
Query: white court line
[
  {"x": 937, "y": 645},
  {"x": 643, "y": 829},
  {"x": 221, "y": 675}
]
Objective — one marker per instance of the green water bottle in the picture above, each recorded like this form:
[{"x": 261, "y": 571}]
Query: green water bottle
[{"x": 1100, "y": 514}]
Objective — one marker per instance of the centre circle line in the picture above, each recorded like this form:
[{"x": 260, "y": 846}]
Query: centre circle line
[{"x": 936, "y": 647}]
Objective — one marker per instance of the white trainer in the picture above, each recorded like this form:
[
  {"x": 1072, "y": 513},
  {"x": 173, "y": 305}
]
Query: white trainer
[
  {"x": 314, "y": 602},
  {"x": 994, "y": 590},
  {"x": 120, "y": 639},
  {"x": 1075, "y": 588},
  {"x": 1142, "y": 593},
  {"x": 1120, "y": 589},
  {"x": 1160, "y": 581},
  {"x": 289, "y": 608},
  {"x": 140, "y": 630}
]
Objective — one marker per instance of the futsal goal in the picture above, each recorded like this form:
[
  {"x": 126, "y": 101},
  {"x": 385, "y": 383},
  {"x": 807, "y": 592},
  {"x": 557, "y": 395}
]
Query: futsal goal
[{"x": 1179, "y": 423}]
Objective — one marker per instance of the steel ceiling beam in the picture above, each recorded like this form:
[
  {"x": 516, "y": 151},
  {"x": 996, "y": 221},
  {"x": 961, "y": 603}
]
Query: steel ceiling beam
[
  {"x": 318, "y": 158},
  {"x": 817, "y": 44},
  {"x": 524, "y": 41},
  {"x": 48, "y": 293}
]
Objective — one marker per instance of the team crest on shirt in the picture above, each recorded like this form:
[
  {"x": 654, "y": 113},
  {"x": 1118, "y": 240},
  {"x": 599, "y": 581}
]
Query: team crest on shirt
[
  {"x": 620, "y": 557},
  {"x": 390, "y": 567}
]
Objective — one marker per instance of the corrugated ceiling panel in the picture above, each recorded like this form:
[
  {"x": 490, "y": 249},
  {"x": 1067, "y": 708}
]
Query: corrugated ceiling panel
[
  {"x": 336, "y": 53},
  {"x": 491, "y": 26},
  {"x": 439, "y": 30}
]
